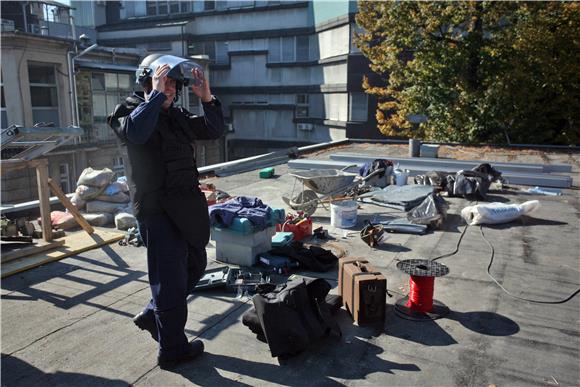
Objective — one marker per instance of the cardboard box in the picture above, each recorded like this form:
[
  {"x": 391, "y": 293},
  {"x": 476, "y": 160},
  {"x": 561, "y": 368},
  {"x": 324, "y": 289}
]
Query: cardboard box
[{"x": 363, "y": 290}]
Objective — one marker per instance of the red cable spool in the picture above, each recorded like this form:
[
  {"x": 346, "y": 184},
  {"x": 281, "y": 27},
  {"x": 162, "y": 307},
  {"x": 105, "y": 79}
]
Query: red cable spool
[{"x": 419, "y": 305}]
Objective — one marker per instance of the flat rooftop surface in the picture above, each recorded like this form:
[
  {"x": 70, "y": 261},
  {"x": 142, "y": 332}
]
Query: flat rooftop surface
[{"x": 68, "y": 323}]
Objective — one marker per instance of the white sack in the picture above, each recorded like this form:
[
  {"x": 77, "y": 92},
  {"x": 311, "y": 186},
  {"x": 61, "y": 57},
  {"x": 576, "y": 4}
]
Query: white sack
[
  {"x": 119, "y": 197},
  {"x": 96, "y": 177},
  {"x": 99, "y": 220},
  {"x": 86, "y": 192},
  {"x": 77, "y": 201},
  {"x": 124, "y": 221},
  {"x": 99, "y": 206},
  {"x": 492, "y": 213}
]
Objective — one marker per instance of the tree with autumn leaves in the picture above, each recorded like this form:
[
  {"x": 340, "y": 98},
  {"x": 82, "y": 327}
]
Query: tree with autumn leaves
[{"x": 496, "y": 72}]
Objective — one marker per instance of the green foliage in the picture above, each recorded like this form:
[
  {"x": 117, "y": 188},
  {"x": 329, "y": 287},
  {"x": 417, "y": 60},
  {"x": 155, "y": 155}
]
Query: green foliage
[{"x": 478, "y": 71}]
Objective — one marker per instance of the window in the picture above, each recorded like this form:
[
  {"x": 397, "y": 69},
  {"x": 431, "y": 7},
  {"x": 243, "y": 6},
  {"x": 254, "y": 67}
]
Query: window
[
  {"x": 208, "y": 5},
  {"x": 302, "y": 48},
  {"x": 209, "y": 49},
  {"x": 162, "y": 7},
  {"x": 216, "y": 51},
  {"x": 302, "y": 105},
  {"x": 221, "y": 53},
  {"x": 301, "y": 99},
  {"x": 3, "y": 116},
  {"x": 274, "y": 50},
  {"x": 289, "y": 49},
  {"x": 107, "y": 90},
  {"x": 43, "y": 93},
  {"x": 358, "y": 107},
  {"x": 151, "y": 8},
  {"x": 166, "y": 7},
  {"x": 64, "y": 177},
  {"x": 119, "y": 166}
]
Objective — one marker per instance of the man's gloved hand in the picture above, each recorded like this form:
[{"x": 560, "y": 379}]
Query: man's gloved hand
[
  {"x": 160, "y": 77},
  {"x": 200, "y": 85}
]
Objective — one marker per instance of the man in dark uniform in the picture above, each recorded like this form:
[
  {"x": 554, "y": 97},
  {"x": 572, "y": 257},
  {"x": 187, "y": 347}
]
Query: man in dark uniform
[{"x": 171, "y": 210}]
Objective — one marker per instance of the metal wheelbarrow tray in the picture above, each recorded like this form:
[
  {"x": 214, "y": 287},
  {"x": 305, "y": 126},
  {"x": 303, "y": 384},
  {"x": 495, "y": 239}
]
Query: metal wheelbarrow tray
[{"x": 324, "y": 182}]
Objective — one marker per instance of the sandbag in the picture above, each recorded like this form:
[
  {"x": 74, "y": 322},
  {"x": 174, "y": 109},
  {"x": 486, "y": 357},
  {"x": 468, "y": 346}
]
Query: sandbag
[
  {"x": 119, "y": 197},
  {"x": 99, "y": 206},
  {"x": 62, "y": 220},
  {"x": 124, "y": 221},
  {"x": 77, "y": 201},
  {"x": 95, "y": 177},
  {"x": 100, "y": 220},
  {"x": 116, "y": 187},
  {"x": 493, "y": 213},
  {"x": 86, "y": 192}
]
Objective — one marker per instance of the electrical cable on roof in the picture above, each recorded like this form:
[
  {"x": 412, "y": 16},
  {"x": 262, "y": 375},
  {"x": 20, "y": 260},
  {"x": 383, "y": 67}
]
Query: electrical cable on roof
[
  {"x": 492, "y": 254},
  {"x": 456, "y": 247},
  {"x": 505, "y": 290}
]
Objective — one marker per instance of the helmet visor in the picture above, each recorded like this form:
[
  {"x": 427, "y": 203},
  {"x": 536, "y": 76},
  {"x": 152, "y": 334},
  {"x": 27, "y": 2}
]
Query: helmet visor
[{"x": 180, "y": 68}]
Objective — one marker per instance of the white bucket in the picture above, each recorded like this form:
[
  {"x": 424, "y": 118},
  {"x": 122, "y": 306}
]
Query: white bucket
[
  {"x": 343, "y": 213},
  {"x": 401, "y": 177}
]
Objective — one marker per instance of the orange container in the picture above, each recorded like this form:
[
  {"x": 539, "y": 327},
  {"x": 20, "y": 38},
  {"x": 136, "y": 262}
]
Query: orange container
[{"x": 301, "y": 229}]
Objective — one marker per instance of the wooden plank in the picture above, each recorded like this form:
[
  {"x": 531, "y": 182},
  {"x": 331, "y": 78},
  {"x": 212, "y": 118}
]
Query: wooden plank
[
  {"x": 74, "y": 243},
  {"x": 43, "y": 197},
  {"x": 70, "y": 207},
  {"x": 16, "y": 164},
  {"x": 30, "y": 250}
]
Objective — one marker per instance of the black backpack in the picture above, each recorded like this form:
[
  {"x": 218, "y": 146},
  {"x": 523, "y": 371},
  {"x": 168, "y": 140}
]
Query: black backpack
[{"x": 292, "y": 316}]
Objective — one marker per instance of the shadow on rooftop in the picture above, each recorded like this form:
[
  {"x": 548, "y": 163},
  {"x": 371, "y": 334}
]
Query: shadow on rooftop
[
  {"x": 431, "y": 333},
  {"x": 231, "y": 316},
  {"x": 526, "y": 221},
  {"x": 307, "y": 368},
  {"x": 428, "y": 333},
  {"x": 115, "y": 274},
  {"x": 17, "y": 372},
  {"x": 496, "y": 198},
  {"x": 486, "y": 323},
  {"x": 452, "y": 223}
]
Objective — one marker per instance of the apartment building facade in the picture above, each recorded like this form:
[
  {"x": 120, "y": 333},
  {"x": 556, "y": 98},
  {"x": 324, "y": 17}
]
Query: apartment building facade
[{"x": 287, "y": 72}]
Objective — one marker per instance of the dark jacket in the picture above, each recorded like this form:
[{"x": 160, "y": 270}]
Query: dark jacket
[
  {"x": 293, "y": 315},
  {"x": 162, "y": 157}
]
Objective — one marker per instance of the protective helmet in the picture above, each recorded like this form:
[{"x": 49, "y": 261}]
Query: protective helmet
[{"x": 180, "y": 70}]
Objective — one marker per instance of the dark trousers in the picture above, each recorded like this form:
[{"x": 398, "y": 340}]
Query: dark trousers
[{"x": 174, "y": 269}]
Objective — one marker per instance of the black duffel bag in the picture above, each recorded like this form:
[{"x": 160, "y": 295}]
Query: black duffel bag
[{"x": 292, "y": 316}]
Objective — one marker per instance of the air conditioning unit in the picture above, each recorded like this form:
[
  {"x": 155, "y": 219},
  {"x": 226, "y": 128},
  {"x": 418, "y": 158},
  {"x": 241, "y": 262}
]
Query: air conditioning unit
[
  {"x": 306, "y": 127},
  {"x": 34, "y": 29},
  {"x": 7, "y": 25}
]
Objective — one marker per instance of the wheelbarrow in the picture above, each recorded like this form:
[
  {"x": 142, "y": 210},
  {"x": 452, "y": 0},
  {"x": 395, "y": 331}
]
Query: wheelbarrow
[{"x": 320, "y": 186}]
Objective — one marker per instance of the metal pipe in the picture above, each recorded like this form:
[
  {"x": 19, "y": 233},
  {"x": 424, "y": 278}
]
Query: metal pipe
[
  {"x": 73, "y": 77},
  {"x": 73, "y": 29},
  {"x": 71, "y": 85}
]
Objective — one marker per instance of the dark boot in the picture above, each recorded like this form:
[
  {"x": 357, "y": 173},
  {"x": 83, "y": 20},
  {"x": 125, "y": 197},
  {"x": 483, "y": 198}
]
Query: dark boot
[
  {"x": 195, "y": 348},
  {"x": 146, "y": 321}
]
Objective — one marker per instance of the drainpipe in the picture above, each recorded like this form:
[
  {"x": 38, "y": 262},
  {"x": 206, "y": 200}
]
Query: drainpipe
[
  {"x": 71, "y": 86},
  {"x": 73, "y": 29},
  {"x": 24, "y": 4},
  {"x": 73, "y": 81}
]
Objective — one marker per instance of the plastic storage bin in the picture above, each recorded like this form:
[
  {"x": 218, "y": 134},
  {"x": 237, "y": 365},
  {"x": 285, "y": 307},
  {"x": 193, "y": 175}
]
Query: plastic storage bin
[{"x": 241, "y": 249}]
